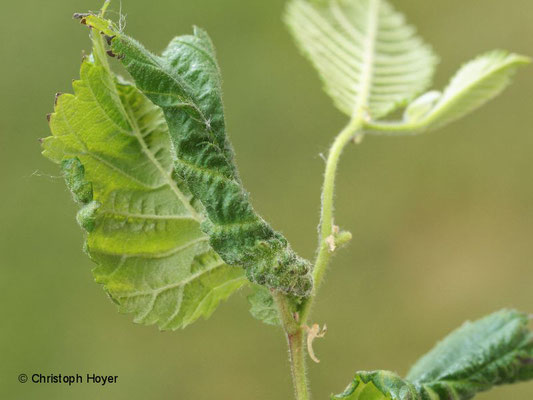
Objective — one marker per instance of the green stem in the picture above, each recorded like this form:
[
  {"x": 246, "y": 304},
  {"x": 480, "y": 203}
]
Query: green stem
[
  {"x": 294, "y": 326},
  {"x": 295, "y": 338},
  {"x": 298, "y": 367},
  {"x": 326, "y": 218}
]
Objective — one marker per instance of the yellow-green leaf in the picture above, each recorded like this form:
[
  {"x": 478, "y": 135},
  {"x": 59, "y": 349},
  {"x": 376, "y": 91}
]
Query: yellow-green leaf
[{"x": 143, "y": 226}]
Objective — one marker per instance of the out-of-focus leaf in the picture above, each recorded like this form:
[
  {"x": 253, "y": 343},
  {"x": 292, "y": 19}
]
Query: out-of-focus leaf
[
  {"x": 476, "y": 83},
  {"x": 369, "y": 59}
]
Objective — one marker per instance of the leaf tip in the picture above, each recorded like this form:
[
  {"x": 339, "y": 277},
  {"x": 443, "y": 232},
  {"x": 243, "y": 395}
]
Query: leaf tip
[
  {"x": 523, "y": 60},
  {"x": 58, "y": 94},
  {"x": 80, "y": 16}
]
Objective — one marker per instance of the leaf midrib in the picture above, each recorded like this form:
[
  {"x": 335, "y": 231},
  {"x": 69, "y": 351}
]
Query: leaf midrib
[
  {"x": 85, "y": 151},
  {"x": 156, "y": 255},
  {"x": 363, "y": 85},
  {"x": 368, "y": 58},
  {"x": 166, "y": 175},
  {"x": 147, "y": 216}
]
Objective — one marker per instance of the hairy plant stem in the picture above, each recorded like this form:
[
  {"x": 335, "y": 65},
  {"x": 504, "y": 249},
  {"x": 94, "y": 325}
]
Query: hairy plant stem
[
  {"x": 294, "y": 333},
  {"x": 294, "y": 325},
  {"x": 326, "y": 217}
]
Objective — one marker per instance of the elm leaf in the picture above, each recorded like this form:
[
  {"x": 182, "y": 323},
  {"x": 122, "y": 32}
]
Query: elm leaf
[
  {"x": 185, "y": 83},
  {"x": 474, "y": 84},
  {"x": 368, "y": 57},
  {"x": 492, "y": 351},
  {"x": 495, "y": 350},
  {"x": 379, "y": 385},
  {"x": 142, "y": 223}
]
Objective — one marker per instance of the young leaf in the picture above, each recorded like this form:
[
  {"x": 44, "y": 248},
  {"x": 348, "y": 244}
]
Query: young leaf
[
  {"x": 143, "y": 230},
  {"x": 262, "y": 306},
  {"x": 474, "y": 84},
  {"x": 185, "y": 83},
  {"x": 369, "y": 59},
  {"x": 495, "y": 350},
  {"x": 380, "y": 385}
]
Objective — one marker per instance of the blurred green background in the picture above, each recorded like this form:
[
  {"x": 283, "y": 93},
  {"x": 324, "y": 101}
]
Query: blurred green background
[{"x": 442, "y": 223}]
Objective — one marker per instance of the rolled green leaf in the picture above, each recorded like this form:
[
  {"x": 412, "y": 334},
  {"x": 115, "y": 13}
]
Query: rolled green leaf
[
  {"x": 185, "y": 83},
  {"x": 143, "y": 226}
]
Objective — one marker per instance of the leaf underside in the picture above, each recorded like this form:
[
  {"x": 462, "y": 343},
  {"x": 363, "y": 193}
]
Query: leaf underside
[
  {"x": 185, "y": 83},
  {"x": 369, "y": 59},
  {"x": 495, "y": 350},
  {"x": 143, "y": 229},
  {"x": 476, "y": 83},
  {"x": 372, "y": 63}
]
